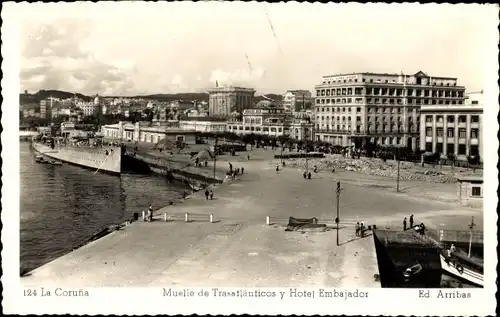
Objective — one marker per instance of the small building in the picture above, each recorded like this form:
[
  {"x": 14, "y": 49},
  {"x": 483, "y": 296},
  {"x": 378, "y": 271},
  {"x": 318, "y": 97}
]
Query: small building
[
  {"x": 127, "y": 131},
  {"x": 470, "y": 191}
]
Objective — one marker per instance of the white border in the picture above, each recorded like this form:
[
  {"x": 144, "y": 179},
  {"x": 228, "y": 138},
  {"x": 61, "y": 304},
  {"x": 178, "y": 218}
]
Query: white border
[{"x": 150, "y": 301}]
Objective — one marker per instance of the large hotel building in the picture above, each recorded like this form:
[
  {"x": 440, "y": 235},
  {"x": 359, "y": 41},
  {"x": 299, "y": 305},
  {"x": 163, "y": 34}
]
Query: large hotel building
[
  {"x": 352, "y": 109},
  {"x": 226, "y": 101}
]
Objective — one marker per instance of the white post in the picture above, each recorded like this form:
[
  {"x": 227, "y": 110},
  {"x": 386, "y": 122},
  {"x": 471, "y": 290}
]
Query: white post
[
  {"x": 143, "y": 215},
  {"x": 268, "y": 221},
  {"x": 211, "y": 218},
  {"x": 186, "y": 217},
  {"x": 165, "y": 217}
]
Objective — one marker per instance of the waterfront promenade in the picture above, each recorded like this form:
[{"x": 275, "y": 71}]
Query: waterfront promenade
[{"x": 240, "y": 249}]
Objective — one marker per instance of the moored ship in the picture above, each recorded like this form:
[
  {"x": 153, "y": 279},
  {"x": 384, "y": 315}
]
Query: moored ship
[
  {"x": 106, "y": 159},
  {"x": 463, "y": 266}
]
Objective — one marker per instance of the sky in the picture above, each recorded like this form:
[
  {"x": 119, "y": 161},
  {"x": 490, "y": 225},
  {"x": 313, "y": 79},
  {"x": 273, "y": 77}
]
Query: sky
[{"x": 132, "y": 49}]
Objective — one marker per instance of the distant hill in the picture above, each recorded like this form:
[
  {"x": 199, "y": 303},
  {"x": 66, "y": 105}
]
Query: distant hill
[
  {"x": 44, "y": 94},
  {"x": 275, "y": 97}
]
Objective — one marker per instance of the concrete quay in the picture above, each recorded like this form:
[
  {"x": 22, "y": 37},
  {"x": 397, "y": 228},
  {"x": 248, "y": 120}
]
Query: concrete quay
[{"x": 239, "y": 249}]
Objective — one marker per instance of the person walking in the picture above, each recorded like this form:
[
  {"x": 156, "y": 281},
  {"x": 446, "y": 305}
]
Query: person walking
[
  {"x": 206, "y": 193},
  {"x": 357, "y": 229},
  {"x": 305, "y": 175},
  {"x": 411, "y": 221},
  {"x": 277, "y": 169},
  {"x": 362, "y": 229},
  {"x": 242, "y": 170},
  {"x": 309, "y": 175},
  {"x": 404, "y": 224},
  {"x": 211, "y": 195}
]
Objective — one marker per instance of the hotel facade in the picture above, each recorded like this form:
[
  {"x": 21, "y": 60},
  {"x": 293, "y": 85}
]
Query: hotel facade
[
  {"x": 225, "y": 101},
  {"x": 453, "y": 129},
  {"x": 352, "y": 109}
]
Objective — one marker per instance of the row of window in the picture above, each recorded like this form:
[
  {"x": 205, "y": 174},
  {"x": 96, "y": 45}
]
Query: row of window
[
  {"x": 370, "y": 101},
  {"x": 450, "y": 148},
  {"x": 336, "y": 109},
  {"x": 451, "y": 118},
  {"x": 258, "y": 129},
  {"x": 370, "y": 109},
  {"x": 450, "y": 132},
  {"x": 371, "y": 80},
  {"x": 357, "y": 91}
]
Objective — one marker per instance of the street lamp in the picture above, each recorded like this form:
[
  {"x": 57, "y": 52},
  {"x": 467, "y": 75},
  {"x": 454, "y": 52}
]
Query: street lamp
[
  {"x": 337, "y": 220},
  {"x": 397, "y": 184}
]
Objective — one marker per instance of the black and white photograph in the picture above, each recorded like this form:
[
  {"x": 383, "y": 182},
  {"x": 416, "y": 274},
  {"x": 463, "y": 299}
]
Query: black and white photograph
[{"x": 222, "y": 157}]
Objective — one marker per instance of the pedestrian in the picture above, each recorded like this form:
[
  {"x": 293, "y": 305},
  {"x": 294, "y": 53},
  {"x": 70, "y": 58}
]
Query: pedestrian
[
  {"x": 404, "y": 224},
  {"x": 211, "y": 195},
  {"x": 357, "y": 229},
  {"x": 305, "y": 175},
  {"x": 242, "y": 170},
  {"x": 284, "y": 164},
  {"x": 230, "y": 168},
  {"x": 206, "y": 163},
  {"x": 422, "y": 230},
  {"x": 150, "y": 213},
  {"x": 206, "y": 193},
  {"x": 277, "y": 169},
  {"x": 309, "y": 175},
  {"x": 362, "y": 229},
  {"x": 248, "y": 157},
  {"x": 411, "y": 221}
]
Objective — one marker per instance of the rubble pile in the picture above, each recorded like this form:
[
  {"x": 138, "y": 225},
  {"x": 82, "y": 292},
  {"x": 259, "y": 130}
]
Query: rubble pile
[{"x": 377, "y": 167}]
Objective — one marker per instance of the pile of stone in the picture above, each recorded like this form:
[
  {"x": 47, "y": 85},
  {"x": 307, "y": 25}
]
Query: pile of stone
[{"x": 377, "y": 167}]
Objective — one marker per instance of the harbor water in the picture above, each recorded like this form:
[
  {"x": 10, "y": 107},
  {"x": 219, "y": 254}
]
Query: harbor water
[{"x": 62, "y": 206}]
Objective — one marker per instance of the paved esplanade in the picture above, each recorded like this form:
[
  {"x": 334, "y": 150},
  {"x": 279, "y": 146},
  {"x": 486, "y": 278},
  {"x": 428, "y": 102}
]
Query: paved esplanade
[{"x": 241, "y": 250}]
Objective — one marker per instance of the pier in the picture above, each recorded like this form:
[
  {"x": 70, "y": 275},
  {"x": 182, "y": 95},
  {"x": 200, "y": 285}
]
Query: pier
[{"x": 240, "y": 246}]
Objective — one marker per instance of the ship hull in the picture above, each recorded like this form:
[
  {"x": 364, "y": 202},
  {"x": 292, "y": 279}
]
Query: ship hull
[
  {"x": 91, "y": 158},
  {"x": 464, "y": 273}
]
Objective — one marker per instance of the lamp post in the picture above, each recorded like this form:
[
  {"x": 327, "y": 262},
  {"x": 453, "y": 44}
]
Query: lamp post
[
  {"x": 337, "y": 220},
  {"x": 215, "y": 155},
  {"x": 471, "y": 226},
  {"x": 397, "y": 184}
]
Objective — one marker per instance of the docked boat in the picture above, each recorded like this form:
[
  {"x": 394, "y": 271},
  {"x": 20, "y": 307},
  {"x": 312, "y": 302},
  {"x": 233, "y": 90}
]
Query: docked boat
[
  {"x": 412, "y": 271},
  {"x": 459, "y": 264},
  {"x": 107, "y": 159}
]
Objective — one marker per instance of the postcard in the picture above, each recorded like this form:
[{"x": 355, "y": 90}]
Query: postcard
[{"x": 249, "y": 158}]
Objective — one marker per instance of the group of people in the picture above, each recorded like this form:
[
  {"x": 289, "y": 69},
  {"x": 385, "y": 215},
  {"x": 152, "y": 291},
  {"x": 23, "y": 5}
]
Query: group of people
[
  {"x": 209, "y": 193},
  {"x": 233, "y": 172},
  {"x": 419, "y": 228},
  {"x": 197, "y": 162},
  {"x": 360, "y": 229},
  {"x": 306, "y": 175}
]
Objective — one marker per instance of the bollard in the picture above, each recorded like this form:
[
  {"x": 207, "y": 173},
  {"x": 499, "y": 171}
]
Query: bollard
[
  {"x": 268, "y": 221},
  {"x": 143, "y": 215},
  {"x": 186, "y": 217},
  {"x": 211, "y": 218},
  {"x": 165, "y": 217}
]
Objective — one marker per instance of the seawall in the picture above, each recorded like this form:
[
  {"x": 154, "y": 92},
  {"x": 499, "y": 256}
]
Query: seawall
[{"x": 175, "y": 168}]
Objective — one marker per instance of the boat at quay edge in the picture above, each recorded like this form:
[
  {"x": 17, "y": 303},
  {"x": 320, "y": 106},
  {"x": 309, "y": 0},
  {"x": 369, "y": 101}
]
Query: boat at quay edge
[{"x": 101, "y": 158}]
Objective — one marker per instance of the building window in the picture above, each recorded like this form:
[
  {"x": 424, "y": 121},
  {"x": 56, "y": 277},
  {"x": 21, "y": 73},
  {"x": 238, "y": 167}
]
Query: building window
[
  {"x": 461, "y": 133},
  {"x": 450, "y": 119},
  {"x": 474, "y": 149},
  {"x": 474, "y": 119},
  {"x": 450, "y": 148},
  {"x": 450, "y": 132},
  {"x": 476, "y": 191},
  {"x": 439, "y": 147},
  {"x": 474, "y": 133},
  {"x": 428, "y": 131},
  {"x": 461, "y": 149},
  {"x": 358, "y": 109},
  {"x": 428, "y": 146},
  {"x": 428, "y": 118},
  {"x": 440, "y": 132},
  {"x": 461, "y": 119}
]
